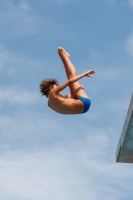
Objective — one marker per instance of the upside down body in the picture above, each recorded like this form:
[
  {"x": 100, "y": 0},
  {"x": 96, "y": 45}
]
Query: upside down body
[{"x": 77, "y": 101}]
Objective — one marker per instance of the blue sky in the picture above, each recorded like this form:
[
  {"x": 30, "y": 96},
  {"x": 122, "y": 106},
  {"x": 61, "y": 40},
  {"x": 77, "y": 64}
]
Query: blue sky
[{"x": 45, "y": 155}]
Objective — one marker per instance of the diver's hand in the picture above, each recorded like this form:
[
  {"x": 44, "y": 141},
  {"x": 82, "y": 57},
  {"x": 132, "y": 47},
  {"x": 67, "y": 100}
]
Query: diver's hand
[{"x": 88, "y": 73}]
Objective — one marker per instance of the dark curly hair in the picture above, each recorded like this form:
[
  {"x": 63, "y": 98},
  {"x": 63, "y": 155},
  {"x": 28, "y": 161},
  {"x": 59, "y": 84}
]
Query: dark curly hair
[{"x": 46, "y": 84}]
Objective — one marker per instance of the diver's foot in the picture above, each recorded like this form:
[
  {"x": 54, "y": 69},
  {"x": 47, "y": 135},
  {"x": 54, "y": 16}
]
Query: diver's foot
[{"x": 63, "y": 53}]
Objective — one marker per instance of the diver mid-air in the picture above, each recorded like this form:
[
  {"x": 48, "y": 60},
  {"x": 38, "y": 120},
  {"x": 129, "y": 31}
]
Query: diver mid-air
[{"x": 77, "y": 101}]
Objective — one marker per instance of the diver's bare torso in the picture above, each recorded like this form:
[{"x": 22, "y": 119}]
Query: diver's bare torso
[{"x": 64, "y": 104}]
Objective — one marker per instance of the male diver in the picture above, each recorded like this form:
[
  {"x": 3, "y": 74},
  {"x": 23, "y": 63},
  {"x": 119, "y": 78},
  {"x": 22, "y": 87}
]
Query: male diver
[{"x": 77, "y": 101}]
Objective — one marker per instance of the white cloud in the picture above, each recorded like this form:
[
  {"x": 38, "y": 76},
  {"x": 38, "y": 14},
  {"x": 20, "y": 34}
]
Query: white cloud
[
  {"x": 21, "y": 19},
  {"x": 82, "y": 170},
  {"x": 129, "y": 45},
  {"x": 24, "y": 6},
  {"x": 17, "y": 95},
  {"x": 12, "y": 63},
  {"x": 23, "y": 124},
  {"x": 17, "y": 19},
  {"x": 130, "y": 2}
]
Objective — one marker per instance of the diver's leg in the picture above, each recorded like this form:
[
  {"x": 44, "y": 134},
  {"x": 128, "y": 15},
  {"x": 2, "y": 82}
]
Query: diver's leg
[
  {"x": 70, "y": 71},
  {"x": 76, "y": 88}
]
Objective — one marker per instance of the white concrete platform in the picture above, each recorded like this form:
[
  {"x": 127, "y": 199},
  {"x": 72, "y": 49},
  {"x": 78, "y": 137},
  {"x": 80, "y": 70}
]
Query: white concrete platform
[{"x": 124, "y": 152}]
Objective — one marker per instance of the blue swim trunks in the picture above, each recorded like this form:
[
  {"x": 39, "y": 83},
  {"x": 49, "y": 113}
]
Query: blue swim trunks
[{"x": 86, "y": 102}]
